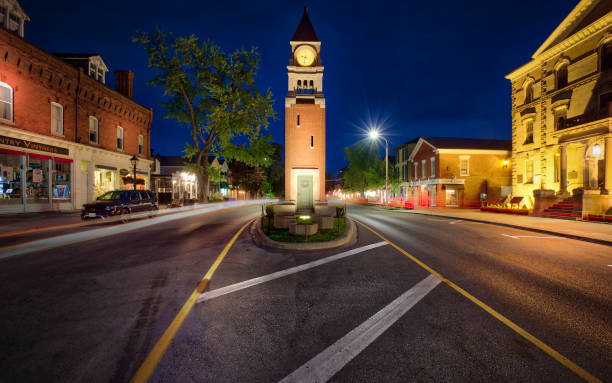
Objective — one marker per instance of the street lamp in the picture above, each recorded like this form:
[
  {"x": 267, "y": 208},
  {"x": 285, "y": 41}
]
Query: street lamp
[
  {"x": 134, "y": 161},
  {"x": 374, "y": 135}
]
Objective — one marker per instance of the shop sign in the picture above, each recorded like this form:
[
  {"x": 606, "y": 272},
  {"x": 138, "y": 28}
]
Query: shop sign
[
  {"x": 32, "y": 145},
  {"x": 124, "y": 172}
]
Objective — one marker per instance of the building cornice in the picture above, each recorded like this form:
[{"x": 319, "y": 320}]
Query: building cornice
[
  {"x": 473, "y": 151},
  {"x": 564, "y": 45}
]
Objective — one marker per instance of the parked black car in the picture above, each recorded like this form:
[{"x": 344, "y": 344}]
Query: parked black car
[{"x": 120, "y": 203}]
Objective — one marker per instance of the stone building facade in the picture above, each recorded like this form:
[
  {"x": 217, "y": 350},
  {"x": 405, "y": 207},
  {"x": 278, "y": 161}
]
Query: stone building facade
[
  {"x": 562, "y": 113},
  {"x": 65, "y": 137}
]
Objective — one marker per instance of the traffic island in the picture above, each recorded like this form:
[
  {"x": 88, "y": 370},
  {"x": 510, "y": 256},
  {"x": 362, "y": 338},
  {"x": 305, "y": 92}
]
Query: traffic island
[{"x": 303, "y": 237}]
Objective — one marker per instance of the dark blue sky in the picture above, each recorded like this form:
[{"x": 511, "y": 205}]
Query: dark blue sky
[{"x": 431, "y": 68}]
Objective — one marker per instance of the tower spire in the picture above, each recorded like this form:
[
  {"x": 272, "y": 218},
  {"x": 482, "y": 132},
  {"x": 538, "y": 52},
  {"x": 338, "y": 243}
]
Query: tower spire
[{"x": 305, "y": 31}]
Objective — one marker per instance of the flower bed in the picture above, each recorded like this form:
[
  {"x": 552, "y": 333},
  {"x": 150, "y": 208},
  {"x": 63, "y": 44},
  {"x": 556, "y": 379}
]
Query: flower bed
[{"x": 505, "y": 210}]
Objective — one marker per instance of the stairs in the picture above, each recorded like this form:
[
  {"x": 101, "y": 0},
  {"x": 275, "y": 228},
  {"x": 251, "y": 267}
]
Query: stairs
[{"x": 566, "y": 209}]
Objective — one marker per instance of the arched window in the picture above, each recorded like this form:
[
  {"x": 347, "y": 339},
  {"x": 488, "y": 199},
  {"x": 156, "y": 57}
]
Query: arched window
[
  {"x": 606, "y": 56},
  {"x": 528, "y": 92},
  {"x": 561, "y": 76},
  {"x": 6, "y": 102}
]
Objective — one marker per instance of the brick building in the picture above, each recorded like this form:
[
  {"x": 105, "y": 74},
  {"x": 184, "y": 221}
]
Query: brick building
[
  {"x": 65, "y": 137},
  {"x": 455, "y": 172},
  {"x": 562, "y": 114},
  {"x": 305, "y": 119}
]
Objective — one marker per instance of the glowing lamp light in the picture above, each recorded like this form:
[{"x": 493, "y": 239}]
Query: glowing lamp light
[
  {"x": 506, "y": 162},
  {"x": 304, "y": 216},
  {"x": 373, "y": 134},
  {"x": 596, "y": 150}
]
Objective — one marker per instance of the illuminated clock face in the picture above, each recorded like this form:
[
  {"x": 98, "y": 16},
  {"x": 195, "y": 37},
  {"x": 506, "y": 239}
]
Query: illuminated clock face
[{"x": 305, "y": 55}]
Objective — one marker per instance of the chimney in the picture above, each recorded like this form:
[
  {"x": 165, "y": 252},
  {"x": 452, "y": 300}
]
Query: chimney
[{"x": 124, "y": 82}]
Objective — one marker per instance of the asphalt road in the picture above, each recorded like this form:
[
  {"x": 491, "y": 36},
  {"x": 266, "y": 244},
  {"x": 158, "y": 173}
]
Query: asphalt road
[{"x": 93, "y": 311}]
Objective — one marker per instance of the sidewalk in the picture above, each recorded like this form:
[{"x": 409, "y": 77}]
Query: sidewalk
[{"x": 589, "y": 231}]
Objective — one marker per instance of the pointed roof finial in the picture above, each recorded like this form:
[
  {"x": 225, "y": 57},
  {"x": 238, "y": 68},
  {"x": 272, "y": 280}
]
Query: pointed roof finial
[{"x": 305, "y": 31}]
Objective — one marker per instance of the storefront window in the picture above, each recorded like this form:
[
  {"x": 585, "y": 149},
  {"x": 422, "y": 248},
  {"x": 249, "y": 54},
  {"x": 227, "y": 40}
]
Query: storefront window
[
  {"x": 37, "y": 179},
  {"x": 104, "y": 181},
  {"x": 61, "y": 180},
  {"x": 10, "y": 178}
]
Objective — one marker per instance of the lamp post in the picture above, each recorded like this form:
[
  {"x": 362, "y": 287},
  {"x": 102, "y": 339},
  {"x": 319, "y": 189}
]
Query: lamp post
[
  {"x": 134, "y": 161},
  {"x": 374, "y": 135}
]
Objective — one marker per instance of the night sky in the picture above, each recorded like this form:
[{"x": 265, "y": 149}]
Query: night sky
[{"x": 433, "y": 68}]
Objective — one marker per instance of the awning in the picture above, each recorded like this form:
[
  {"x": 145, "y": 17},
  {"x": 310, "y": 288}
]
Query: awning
[
  {"x": 59, "y": 159},
  {"x": 40, "y": 156},
  {"x": 105, "y": 167},
  {"x": 8, "y": 151}
]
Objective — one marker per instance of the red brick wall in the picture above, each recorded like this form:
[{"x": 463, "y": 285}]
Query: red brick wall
[
  {"x": 39, "y": 78},
  {"x": 298, "y": 153},
  {"x": 425, "y": 152}
]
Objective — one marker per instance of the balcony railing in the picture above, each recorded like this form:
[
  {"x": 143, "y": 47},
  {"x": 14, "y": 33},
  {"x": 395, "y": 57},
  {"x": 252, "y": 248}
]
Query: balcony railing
[{"x": 587, "y": 117}]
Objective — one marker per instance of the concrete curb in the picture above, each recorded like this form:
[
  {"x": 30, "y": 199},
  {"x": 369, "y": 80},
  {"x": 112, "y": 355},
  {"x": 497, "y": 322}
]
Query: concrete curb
[
  {"x": 261, "y": 239},
  {"x": 540, "y": 231}
]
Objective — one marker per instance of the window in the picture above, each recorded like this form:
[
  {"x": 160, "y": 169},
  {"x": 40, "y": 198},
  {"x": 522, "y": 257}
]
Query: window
[
  {"x": 57, "y": 119},
  {"x": 557, "y": 167},
  {"x": 605, "y": 100},
  {"x": 404, "y": 175},
  {"x": 606, "y": 56},
  {"x": 6, "y": 102},
  {"x": 311, "y": 142},
  {"x": 61, "y": 179},
  {"x": 529, "y": 171},
  {"x": 528, "y": 93},
  {"x": 560, "y": 117},
  {"x": 423, "y": 174},
  {"x": 119, "y": 138},
  {"x": 92, "y": 70},
  {"x": 93, "y": 130},
  {"x": 528, "y": 132},
  {"x": 416, "y": 170},
  {"x": 464, "y": 166},
  {"x": 561, "y": 76},
  {"x": 298, "y": 120},
  {"x": 140, "y": 144},
  {"x": 432, "y": 162}
]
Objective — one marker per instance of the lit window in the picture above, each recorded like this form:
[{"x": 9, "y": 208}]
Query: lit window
[
  {"x": 6, "y": 102},
  {"x": 528, "y": 171},
  {"x": 57, "y": 118},
  {"x": 433, "y": 166},
  {"x": 119, "y": 138},
  {"x": 464, "y": 167},
  {"x": 140, "y": 144},
  {"x": 93, "y": 130},
  {"x": 528, "y": 132}
]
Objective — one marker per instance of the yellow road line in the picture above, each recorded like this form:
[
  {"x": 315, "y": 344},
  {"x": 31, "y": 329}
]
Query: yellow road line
[
  {"x": 538, "y": 343},
  {"x": 150, "y": 363}
]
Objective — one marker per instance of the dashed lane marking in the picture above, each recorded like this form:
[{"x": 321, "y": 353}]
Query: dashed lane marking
[
  {"x": 150, "y": 363},
  {"x": 576, "y": 369},
  {"x": 325, "y": 365},
  {"x": 279, "y": 274}
]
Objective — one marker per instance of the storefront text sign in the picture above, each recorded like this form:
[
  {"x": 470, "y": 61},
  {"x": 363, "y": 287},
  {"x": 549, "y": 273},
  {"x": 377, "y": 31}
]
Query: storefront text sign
[{"x": 32, "y": 145}]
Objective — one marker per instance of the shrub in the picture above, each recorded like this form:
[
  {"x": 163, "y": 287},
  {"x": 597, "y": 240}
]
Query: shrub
[
  {"x": 269, "y": 210},
  {"x": 303, "y": 219},
  {"x": 340, "y": 211}
]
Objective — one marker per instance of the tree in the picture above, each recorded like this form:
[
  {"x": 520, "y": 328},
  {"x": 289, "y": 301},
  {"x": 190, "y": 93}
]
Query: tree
[
  {"x": 275, "y": 171},
  {"x": 214, "y": 94},
  {"x": 249, "y": 178},
  {"x": 365, "y": 170}
]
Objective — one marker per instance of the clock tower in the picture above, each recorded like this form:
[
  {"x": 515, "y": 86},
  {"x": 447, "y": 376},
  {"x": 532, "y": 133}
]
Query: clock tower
[{"x": 305, "y": 119}]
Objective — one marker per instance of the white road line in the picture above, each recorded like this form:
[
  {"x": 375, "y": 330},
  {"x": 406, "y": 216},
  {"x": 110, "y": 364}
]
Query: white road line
[
  {"x": 528, "y": 236},
  {"x": 279, "y": 274},
  {"x": 454, "y": 222},
  {"x": 325, "y": 365},
  {"x": 63, "y": 240}
]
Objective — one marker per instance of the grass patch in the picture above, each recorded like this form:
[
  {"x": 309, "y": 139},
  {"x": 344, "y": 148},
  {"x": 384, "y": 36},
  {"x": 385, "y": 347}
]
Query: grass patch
[{"x": 283, "y": 235}]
